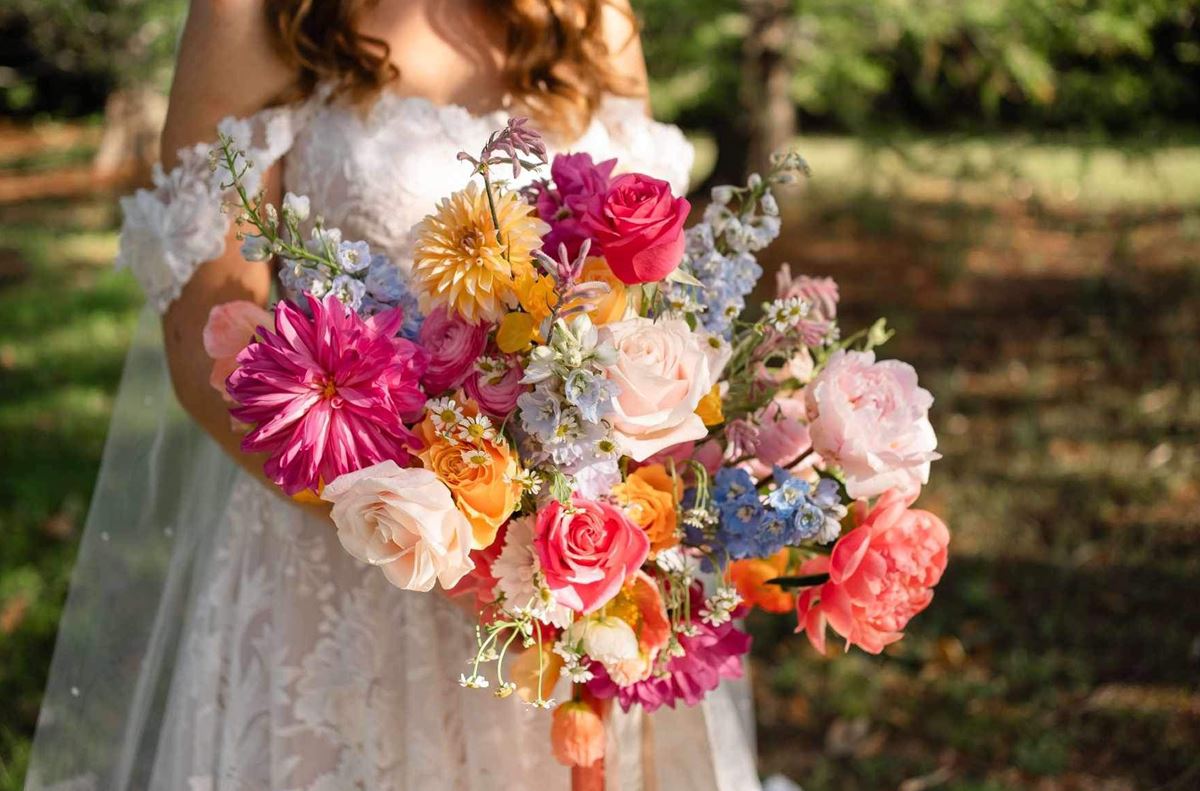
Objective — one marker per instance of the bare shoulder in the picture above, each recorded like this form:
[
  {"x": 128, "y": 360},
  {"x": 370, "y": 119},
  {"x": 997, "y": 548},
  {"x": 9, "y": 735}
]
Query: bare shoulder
[
  {"x": 621, "y": 35},
  {"x": 228, "y": 64}
]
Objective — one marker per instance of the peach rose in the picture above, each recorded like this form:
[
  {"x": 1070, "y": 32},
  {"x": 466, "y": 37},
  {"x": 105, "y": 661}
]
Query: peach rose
[
  {"x": 611, "y": 307},
  {"x": 229, "y": 329},
  {"x": 484, "y": 484},
  {"x": 881, "y": 574},
  {"x": 650, "y": 497},
  {"x": 404, "y": 521},
  {"x": 577, "y": 734},
  {"x": 663, "y": 370}
]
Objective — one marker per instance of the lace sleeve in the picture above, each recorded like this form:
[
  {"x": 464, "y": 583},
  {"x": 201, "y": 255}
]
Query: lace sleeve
[
  {"x": 646, "y": 145},
  {"x": 176, "y": 225}
]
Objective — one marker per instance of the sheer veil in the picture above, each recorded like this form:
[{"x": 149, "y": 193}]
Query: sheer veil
[{"x": 160, "y": 494}]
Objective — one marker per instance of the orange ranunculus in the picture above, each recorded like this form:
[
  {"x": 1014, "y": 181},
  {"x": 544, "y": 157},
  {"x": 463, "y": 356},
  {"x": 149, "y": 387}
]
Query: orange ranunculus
[
  {"x": 525, "y": 671},
  {"x": 484, "y": 483},
  {"x": 709, "y": 409},
  {"x": 577, "y": 734},
  {"x": 650, "y": 498},
  {"x": 612, "y": 306},
  {"x": 750, "y": 575}
]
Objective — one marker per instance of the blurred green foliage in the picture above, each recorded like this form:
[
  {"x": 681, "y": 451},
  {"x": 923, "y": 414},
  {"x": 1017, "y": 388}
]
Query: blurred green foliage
[{"x": 1111, "y": 66}]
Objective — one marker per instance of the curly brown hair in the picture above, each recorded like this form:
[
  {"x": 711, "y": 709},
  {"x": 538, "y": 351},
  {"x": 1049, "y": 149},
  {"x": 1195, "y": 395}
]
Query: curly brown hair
[{"x": 557, "y": 64}]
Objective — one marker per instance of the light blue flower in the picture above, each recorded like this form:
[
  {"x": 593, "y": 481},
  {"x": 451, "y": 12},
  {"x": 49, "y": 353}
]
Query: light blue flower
[
  {"x": 350, "y": 290},
  {"x": 353, "y": 257},
  {"x": 541, "y": 413},
  {"x": 590, "y": 393}
]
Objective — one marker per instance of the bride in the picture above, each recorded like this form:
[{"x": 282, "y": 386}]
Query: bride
[{"x": 216, "y": 635}]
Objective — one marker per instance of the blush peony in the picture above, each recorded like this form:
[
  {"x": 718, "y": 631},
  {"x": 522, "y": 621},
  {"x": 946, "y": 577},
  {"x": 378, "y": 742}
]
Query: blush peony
[
  {"x": 638, "y": 224},
  {"x": 871, "y": 419},
  {"x": 229, "y": 329},
  {"x": 881, "y": 574},
  {"x": 404, "y": 521},
  {"x": 587, "y": 550},
  {"x": 662, "y": 370}
]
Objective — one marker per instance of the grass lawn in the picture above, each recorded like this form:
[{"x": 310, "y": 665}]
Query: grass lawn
[{"x": 1053, "y": 310}]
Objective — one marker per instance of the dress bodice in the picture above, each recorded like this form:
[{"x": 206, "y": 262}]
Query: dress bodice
[{"x": 373, "y": 173}]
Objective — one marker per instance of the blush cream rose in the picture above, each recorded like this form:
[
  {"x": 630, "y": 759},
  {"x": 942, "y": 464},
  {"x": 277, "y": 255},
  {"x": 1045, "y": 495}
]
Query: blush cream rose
[
  {"x": 662, "y": 370},
  {"x": 404, "y": 521},
  {"x": 872, "y": 420}
]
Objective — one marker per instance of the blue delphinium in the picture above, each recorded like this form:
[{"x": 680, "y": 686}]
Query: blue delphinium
[{"x": 387, "y": 287}]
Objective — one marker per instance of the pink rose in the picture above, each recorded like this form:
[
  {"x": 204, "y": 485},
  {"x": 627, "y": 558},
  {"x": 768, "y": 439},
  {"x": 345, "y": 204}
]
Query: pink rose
[
  {"x": 229, "y": 329},
  {"x": 587, "y": 551},
  {"x": 662, "y": 370},
  {"x": 577, "y": 179},
  {"x": 881, "y": 574},
  {"x": 453, "y": 345},
  {"x": 495, "y": 384},
  {"x": 404, "y": 521},
  {"x": 638, "y": 224},
  {"x": 871, "y": 419},
  {"x": 782, "y": 432}
]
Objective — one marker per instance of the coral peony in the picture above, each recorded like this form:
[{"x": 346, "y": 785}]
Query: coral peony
[
  {"x": 577, "y": 734},
  {"x": 587, "y": 551},
  {"x": 453, "y": 345},
  {"x": 326, "y": 394},
  {"x": 881, "y": 574},
  {"x": 404, "y": 521},
  {"x": 638, "y": 224},
  {"x": 871, "y": 419}
]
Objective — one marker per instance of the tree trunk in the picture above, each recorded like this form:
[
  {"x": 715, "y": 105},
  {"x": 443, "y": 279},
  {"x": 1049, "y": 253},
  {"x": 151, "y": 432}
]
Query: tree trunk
[{"x": 766, "y": 81}]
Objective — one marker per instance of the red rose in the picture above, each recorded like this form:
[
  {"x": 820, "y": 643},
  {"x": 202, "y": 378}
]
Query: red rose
[
  {"x": 587, "y": 551},
  {"x": 638, "y": 224}
]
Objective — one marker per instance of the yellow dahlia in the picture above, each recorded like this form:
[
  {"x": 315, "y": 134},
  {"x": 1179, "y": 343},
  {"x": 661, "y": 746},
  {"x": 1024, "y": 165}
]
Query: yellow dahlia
[{"x": 459, "y": 261}]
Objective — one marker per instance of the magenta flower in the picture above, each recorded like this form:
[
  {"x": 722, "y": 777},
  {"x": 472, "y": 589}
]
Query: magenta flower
[
  {"x": 710, "y": 654},
  {"x": 453, "y": 345},
  {"x": 327, "y": 394},
  {"x": 577, "y": 179}
]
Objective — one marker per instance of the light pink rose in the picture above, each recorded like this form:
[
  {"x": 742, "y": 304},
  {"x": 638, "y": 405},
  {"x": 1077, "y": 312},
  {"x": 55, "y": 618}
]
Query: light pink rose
[
  {"x": 881, "y": 574},
  {"x": 638, "y": 224},
  {"x": 871, "y": 419},
  {"x": 453, "y": 345},
  {"x": 782, "y": 431},
  {"x": 229, "y": 329},
  {"x": 587, "y": 550},
  {"x": 403, "y": 520},
  {"x": 662, "y": 370}
]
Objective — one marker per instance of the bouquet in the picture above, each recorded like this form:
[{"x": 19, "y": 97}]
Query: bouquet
[{"x": 563, "y": 412}]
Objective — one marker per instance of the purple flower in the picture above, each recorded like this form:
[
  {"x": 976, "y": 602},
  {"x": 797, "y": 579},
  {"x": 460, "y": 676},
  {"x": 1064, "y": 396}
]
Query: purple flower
[{"x": 711, "y": 653}]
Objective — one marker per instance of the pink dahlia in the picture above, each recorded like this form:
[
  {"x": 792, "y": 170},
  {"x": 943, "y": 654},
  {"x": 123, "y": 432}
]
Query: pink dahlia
[
  {"x": 711, "y": 653},
  {"x": 327, "y": 394}
]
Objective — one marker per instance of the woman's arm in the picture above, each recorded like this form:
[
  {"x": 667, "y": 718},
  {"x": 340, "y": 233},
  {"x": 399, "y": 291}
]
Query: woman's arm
[{"x": 227, "y": 66}]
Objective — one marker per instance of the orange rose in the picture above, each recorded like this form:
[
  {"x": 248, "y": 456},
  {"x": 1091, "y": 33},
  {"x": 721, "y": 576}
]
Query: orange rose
[
  {"x": 611, "y": 307},
  {"x": 650, "y": 498},
  {"x": 481, "y": 474},
  {"x": 750, "y": 575}
]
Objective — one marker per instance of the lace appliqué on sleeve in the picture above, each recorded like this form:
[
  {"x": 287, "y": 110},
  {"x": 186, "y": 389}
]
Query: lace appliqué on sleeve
[
  {"x": 645, "y": 145},
  {"x": 173, "y": 227}
]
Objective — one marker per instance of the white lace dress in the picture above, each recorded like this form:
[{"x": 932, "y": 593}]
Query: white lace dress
[{"x": 295, "y": 666}]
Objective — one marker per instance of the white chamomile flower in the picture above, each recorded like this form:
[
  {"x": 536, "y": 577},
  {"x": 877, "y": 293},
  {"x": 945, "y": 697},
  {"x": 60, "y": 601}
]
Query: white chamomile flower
[
  {"x": 784, "y": 313},
  {"x": 607, "y": 448},
  {"x": 477, "y": 429},
  {"x": 473, "y": 681},
  {"x": 530, "y": 481},
  {"x": 446, "y": 413},
  {"x": 505, "y": 689},
  {"x": 475, "y": 457},
  {"x": 719, "y": 607},
  {"x": 579, "y": 674}
]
